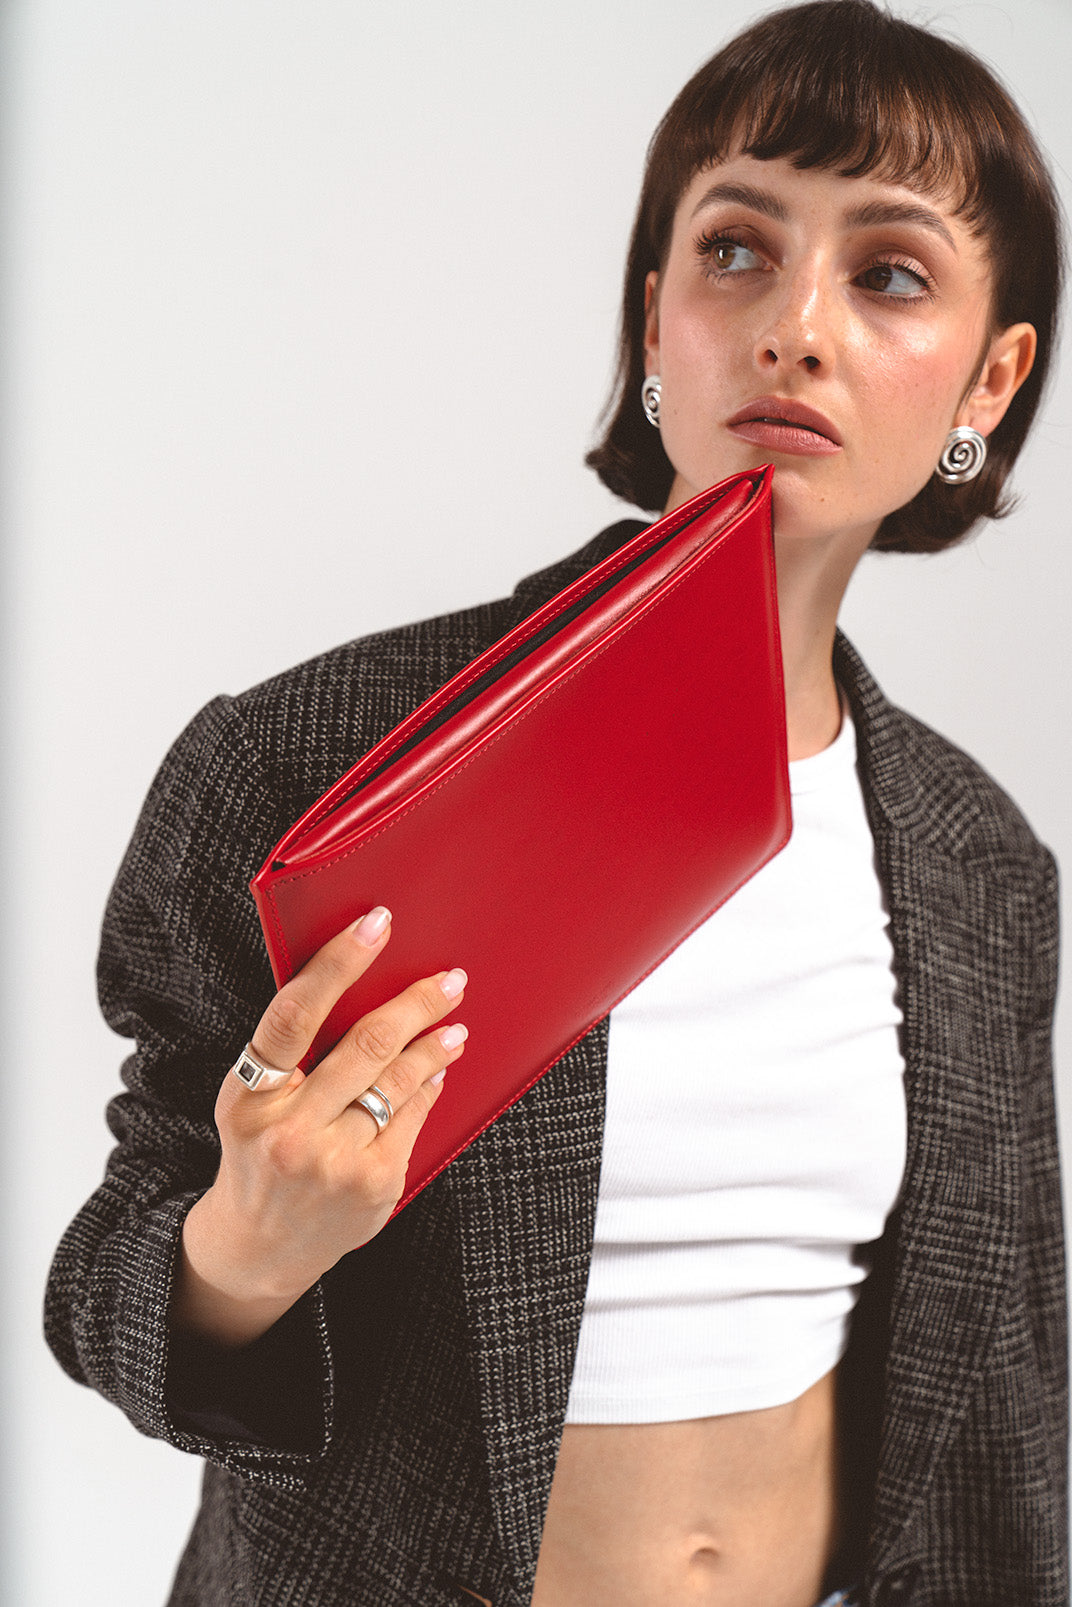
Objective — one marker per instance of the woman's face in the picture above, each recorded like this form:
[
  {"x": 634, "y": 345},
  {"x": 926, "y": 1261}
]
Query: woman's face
[{"x": 836, "y": 327}]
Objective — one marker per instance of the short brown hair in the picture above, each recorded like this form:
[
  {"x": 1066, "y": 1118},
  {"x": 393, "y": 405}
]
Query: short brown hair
[{"x": 840, "y": 84}]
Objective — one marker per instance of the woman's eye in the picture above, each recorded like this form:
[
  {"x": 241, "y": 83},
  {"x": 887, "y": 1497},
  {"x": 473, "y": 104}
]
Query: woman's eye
[
  {"x": 891, "y": 279},
  {"x": 725, "y": 255},
  {"x": 732, "y": 257}
]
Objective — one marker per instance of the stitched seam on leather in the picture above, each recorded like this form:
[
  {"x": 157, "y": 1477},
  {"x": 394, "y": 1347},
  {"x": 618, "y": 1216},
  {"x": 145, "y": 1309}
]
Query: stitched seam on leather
[
  {"x": 640, "y": 613},
  {"x": 483, "y": 662},
  {"x": 277, "y": 928}
]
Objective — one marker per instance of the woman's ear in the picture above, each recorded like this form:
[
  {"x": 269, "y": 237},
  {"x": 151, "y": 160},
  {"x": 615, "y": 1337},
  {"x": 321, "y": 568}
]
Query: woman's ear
[
  {"x": 651, "y": 323},
  {"x": 1005, "y": 367}
]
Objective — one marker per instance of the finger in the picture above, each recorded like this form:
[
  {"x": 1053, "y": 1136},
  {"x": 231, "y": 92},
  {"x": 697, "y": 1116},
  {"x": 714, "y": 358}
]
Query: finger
[
  {"x": 365, "y": 1053},
  {"x": 292, "y": 1020},
  {"x": 424, "y": 1061},
  {"x": 385, "y": 1156}
]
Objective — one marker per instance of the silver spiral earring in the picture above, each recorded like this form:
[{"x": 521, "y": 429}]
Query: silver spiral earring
[
  {"x": 651, "y": 395},
  {"x": 962, "y": 456}
]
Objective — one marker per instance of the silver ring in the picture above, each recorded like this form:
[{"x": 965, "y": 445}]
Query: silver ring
[
  {"x": 249, "y": 1070},
  {"x": 379, "y": 1107}
]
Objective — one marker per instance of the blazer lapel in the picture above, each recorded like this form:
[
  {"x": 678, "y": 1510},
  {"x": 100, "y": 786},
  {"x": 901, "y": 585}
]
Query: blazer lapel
[
  {"x": 525, "y": 1194},
  {"x": 956, "y": 1244},
  {"x": 952, "y": 927}
]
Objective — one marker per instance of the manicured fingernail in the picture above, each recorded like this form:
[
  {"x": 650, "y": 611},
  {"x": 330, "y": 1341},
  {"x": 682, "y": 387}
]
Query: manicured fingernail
[
  {"x": 371, "y": 926},
  {"x": 451, "y": 1037},
  {"x": 438, "y": 1078},
  {"x": 453, "y": 983}
]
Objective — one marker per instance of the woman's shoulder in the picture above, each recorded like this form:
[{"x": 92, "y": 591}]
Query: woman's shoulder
[
  {"x": 360, "y": 689},
  {"x": 302, "y": 728}
]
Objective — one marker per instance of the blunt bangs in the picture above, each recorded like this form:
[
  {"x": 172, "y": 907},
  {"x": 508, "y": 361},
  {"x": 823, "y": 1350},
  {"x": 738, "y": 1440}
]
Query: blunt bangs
[
  {"x": 885, "y": 112},
  {"x": 842, "y": 85}
]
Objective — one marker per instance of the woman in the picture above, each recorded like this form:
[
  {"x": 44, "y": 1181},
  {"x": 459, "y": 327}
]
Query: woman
[{"x": 828, "y": 273}]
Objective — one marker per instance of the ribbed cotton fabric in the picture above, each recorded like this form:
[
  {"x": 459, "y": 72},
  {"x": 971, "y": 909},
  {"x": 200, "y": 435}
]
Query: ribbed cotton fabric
[{"x": 755, "y": 1133}]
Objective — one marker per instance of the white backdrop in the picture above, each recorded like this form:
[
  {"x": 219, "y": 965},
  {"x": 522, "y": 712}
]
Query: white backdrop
[{"x": 310, "y": 314}]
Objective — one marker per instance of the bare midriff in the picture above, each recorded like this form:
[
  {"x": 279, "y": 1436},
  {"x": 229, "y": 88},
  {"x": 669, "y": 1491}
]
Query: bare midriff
[{"x": 734, "y": 1511}]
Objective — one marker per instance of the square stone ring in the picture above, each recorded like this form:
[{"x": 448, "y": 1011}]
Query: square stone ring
[{"x": 249, "y": 1070}]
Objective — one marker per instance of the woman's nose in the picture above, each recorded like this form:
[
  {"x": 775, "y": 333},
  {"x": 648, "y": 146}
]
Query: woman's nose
[{"x": 798, "y": 329}]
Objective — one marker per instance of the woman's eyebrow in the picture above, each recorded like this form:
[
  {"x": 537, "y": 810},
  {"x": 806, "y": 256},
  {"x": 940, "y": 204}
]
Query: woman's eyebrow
[
  {"x": 744, "y": 195},
  {"x": 858, "y": 217},
  {"x": 877, "y": 212}
]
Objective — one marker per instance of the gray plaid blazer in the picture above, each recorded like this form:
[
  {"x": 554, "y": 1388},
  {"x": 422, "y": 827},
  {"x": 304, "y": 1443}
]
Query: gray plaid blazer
[{"x": 392, "y": 1441}]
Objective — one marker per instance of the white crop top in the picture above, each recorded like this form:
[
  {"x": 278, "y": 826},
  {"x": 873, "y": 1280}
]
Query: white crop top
[{"x": 755, "y": 1133}]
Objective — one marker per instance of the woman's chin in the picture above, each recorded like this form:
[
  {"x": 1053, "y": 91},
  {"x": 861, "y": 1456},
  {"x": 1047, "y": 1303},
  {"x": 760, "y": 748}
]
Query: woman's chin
[{"x": 805, "y": 513}]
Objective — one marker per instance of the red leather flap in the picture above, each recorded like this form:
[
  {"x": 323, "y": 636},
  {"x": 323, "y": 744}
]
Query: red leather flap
[{"x": 661, "y": 550}]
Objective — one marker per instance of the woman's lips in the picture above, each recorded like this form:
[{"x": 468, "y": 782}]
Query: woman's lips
[
  {"x": 779, "y": 425},
  {"x": 785, "y": 438}
]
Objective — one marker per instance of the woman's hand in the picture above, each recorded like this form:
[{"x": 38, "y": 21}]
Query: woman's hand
[{"x": 306, "y": 1175}]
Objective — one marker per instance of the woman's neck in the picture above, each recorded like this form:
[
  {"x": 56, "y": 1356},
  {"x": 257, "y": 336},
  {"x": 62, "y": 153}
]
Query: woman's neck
[
  {"x": 814, "y": 569},
  {"x": 811, "y": 585}
]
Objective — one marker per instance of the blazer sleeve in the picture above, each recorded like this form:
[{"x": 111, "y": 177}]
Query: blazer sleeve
[{"x": 182, "y": 971}]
